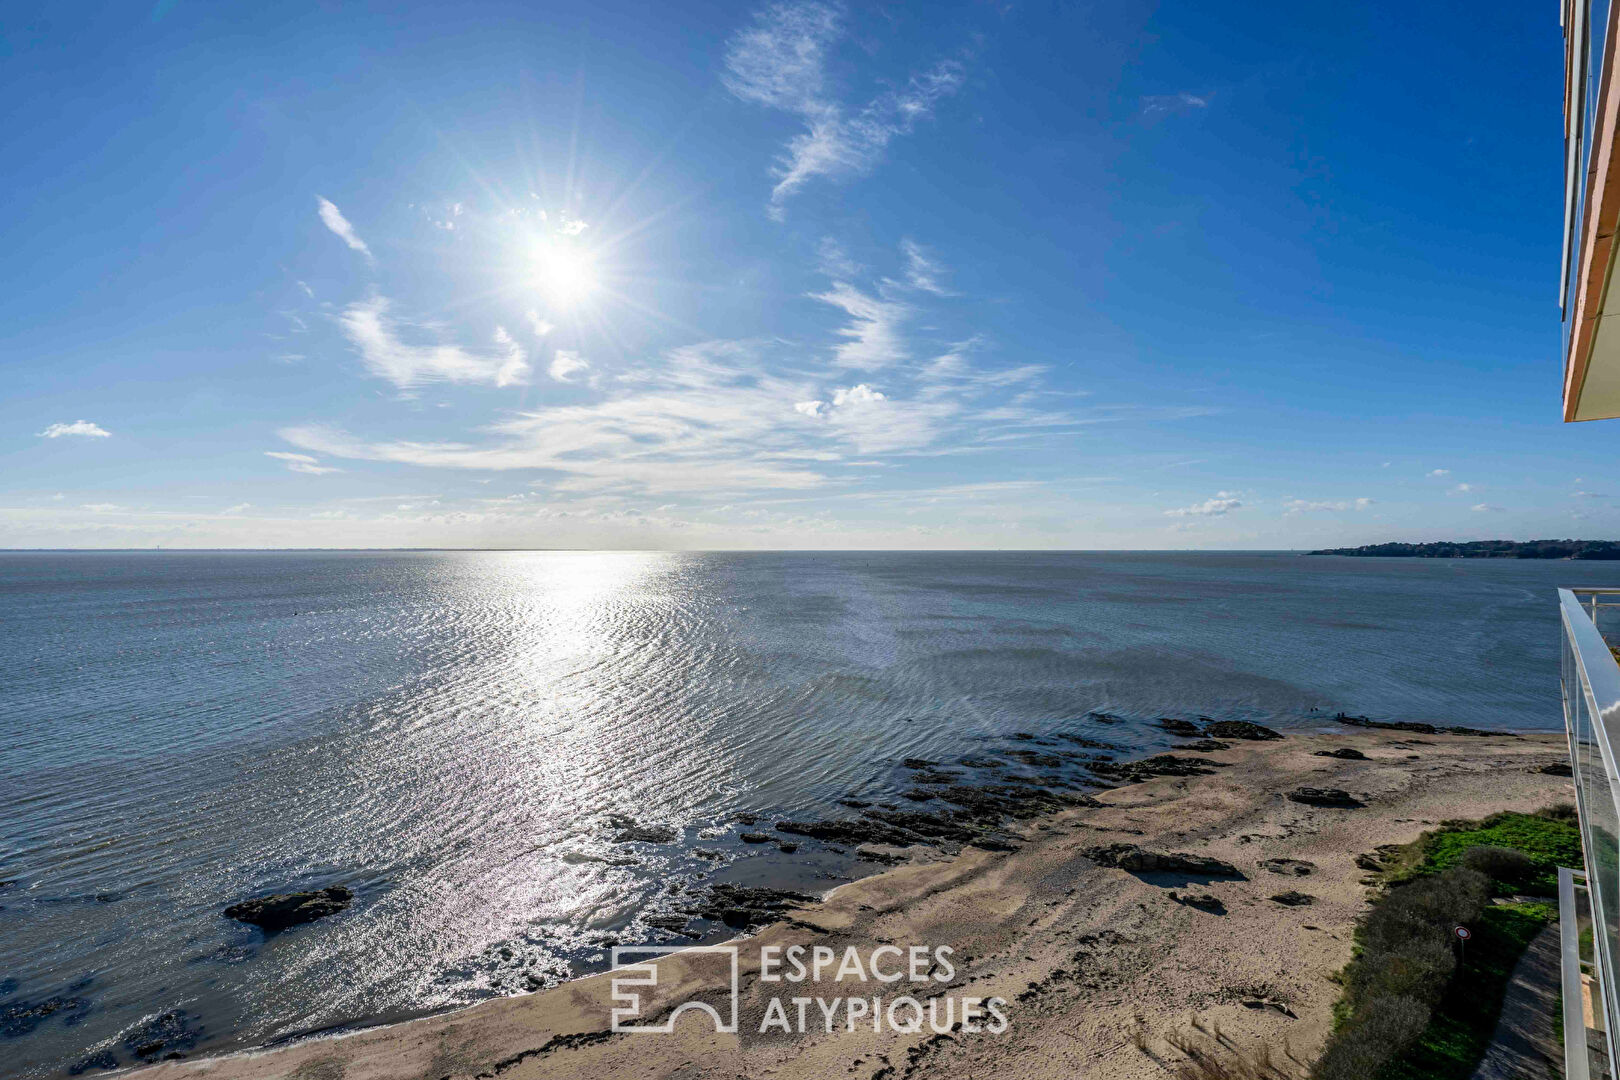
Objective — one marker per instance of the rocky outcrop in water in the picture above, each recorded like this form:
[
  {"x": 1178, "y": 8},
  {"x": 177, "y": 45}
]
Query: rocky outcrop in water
[
  {"x": 283, "y": 910},
  {"x": 630, "y": 831}
]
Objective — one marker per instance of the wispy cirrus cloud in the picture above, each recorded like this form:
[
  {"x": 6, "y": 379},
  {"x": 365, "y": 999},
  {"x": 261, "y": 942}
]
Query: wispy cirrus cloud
[
  {"x": 82, "y": 428},
  {"x": 779, "y": 61},
  {"x": 302, "y": 463},
  {"x": 379, "y": 338},
  {"x": 334, "y": 220},
  {"x": 565, "y": 364},
  {"x": 1305, "y": 506},
  {"x": 923, "y": 271},
  {"x": 1164, "y": 104},
  {"x": 874, "y": 331}
]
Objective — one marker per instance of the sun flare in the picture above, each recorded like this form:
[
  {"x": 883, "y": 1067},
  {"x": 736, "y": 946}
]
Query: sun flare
[{"x": 564, "y": 272}]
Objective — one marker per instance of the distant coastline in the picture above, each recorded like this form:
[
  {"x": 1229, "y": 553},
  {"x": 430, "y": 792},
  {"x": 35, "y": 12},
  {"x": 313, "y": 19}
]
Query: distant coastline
[{"x": 1486, "y": 549}]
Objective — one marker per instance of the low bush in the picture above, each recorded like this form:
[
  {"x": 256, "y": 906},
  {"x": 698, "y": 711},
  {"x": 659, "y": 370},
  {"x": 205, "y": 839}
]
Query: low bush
[
  {"x": 1382, "y": 1028},
  {"x": 1502, "y": 863}
]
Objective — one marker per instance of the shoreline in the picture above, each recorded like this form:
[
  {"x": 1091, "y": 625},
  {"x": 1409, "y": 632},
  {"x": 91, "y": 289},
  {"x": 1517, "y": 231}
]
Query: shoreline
[{"x": 1095, "y": 964}]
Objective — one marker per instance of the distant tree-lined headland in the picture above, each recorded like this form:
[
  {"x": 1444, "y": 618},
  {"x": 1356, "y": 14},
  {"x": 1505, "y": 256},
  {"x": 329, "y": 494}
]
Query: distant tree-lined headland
[{"x": 1487, "y": 549}]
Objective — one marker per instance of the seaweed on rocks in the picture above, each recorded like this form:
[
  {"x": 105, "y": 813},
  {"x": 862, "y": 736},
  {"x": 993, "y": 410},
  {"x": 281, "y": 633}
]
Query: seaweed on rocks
[
  {"x": 1184, "y": 728},
  {"x": 741, "y": 906},
  {"x": 1203, "y": 746},
  {"x": 1240, "y": 729},
  {"x": 1161, "y": 765},
  {"x": 1034, "y": 757},
  {"x": 1414, "y": 726},
  {"x": 1344, "y": 752}
]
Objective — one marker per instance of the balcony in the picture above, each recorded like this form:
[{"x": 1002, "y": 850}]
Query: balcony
[{"x": 1591, "y": 901}]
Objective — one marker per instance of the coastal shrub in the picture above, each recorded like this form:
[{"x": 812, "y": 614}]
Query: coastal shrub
[
  {"x": 1379, "y": 1031},
  {"x": 1406, "y": 948},
  {"x": 1559, "y": 812},
  {"x": 1502, "y": 863},
  {"x": 1407, "y": 1012}
]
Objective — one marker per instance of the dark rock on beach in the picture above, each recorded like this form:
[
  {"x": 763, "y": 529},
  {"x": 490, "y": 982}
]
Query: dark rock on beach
[
  {"x": 1288, "y": 867},
  {"x": 1240, "y": 729},
  {"x": 1204, "y": 746},
  {"x": 1344, "y": 752},
  {"x": 1336, "y": 797},
  {"x": 1294, "y": 898},
  {"x": 1162, "y": 765},
  {"x": 1202, "y": 901},
  {"x": 1557, "y": 768},
  {"x": 1138, "y": 860},
  {"x": 282, "y": 910}
]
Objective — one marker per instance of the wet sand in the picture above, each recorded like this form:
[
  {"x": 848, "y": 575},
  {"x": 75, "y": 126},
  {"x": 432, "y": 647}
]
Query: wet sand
[{"x": 1103, "y": 971}]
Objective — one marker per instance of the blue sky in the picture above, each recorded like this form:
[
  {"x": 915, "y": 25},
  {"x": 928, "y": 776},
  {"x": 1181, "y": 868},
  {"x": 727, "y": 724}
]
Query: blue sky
[{"x": 795, "y": 275}]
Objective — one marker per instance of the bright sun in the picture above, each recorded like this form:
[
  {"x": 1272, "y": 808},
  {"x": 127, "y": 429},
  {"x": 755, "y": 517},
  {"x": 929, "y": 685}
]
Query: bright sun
[{"x": 564, "y": 272}]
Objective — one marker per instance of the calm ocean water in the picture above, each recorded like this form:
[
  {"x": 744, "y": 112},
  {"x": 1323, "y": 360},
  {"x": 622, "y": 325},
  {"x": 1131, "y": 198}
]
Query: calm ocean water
[{"x": 444, "y": 733}]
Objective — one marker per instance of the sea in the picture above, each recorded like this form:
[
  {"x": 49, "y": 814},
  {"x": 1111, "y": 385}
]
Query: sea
[{"x": 446, "y": 734}]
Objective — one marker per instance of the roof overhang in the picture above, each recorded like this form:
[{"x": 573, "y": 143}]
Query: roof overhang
[{"x": 1592, "y": 351}]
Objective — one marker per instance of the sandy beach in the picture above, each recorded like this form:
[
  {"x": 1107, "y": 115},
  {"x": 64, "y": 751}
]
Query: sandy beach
[{"x": 1102, "y": 971}]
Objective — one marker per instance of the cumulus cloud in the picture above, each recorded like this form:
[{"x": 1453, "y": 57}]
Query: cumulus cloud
[
  {"x": 334, "y": 220},
  {"x": 302, "y": 463},
  {"x": 1223, "y": 503},
  {"x": 779, "y": 61},
  {"x": 379, "y": 338},
  {"x": 1483, "y": 508},
  {"x": 1437, "y": 473},
  {"x": 565, "y": 364},
  {"x": 1460, "y": 488},
  {"x": 77, "y": 427}
]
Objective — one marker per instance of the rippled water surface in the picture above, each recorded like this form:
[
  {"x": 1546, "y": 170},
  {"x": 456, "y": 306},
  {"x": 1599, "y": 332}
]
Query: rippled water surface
[{"x": 444, "y": 733}]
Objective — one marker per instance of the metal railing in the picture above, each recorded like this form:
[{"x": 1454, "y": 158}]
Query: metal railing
[{"x": 1591, "y": 686}]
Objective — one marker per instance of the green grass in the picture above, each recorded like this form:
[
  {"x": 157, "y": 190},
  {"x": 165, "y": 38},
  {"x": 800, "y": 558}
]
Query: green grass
[
  {"x": 1463, "y": 1022},
  {"x": 1550, "y": 841}
]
